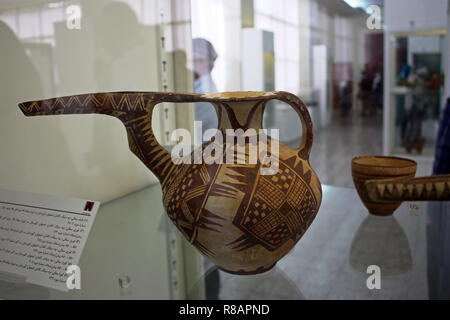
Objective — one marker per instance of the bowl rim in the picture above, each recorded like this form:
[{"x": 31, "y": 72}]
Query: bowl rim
[{"x": 410, "y": 162}]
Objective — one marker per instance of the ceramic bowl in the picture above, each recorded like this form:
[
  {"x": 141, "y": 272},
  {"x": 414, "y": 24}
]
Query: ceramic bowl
[{"x": 379, "y": 167}]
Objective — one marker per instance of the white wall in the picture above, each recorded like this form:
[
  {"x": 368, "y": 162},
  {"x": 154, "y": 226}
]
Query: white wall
[
  {"x": 412, "y": 15},
  {"x": 296, "y": 25},
  {"x": 422, "y": 44},
  {"x": 283, "y": 20},
  {"x": 81, "y": 156}
]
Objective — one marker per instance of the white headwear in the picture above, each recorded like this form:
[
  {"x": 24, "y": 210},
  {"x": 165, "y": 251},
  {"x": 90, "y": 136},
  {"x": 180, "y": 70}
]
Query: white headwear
[{"x": 203, "y": 49}]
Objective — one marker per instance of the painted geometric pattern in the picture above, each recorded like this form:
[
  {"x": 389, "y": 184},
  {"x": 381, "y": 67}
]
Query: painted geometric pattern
[
  {"x": 185, "y": 186},
  {"x": 277, "y": 235},
  {"x": 430, "y": 190},
  {"x": 277, "y": 211},
  {"x": 185, "y": 192},
  {"x": 278, "y": 208},
  {"x": 131, "y": 108}
]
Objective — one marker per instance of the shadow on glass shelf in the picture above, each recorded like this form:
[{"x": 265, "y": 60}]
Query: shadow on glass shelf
[
  {"x": 381, "y": 241},
  {"x": 271, "y": 285},
  {"x": 15, "y": 288}
]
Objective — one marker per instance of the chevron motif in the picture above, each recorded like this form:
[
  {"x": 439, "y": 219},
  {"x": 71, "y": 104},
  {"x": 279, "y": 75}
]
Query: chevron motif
[
  {"x": 426, "y": 191},
  {"x": 133, "y": 109}
]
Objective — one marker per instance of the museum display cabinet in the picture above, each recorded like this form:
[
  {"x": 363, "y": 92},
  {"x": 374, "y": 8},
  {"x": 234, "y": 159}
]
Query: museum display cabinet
[
  {"x": 416, "y": 92},
  {"x": 295, "y": 235}
]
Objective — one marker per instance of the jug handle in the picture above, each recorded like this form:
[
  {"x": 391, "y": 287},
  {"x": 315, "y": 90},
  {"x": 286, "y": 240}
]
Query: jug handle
[{"x": 299, "y": 106}]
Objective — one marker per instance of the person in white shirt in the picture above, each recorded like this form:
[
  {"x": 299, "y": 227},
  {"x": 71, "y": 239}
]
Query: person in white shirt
[{"x": 204, "y": 57}]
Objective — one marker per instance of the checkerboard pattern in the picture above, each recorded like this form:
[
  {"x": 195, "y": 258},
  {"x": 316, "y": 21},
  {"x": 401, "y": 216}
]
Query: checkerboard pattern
[{"x": 276, "y": 212}]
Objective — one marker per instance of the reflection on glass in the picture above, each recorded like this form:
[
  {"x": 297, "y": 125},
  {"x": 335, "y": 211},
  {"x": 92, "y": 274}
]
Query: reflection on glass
[
  {"x": 116, "y": 46},
  {"x": 381, "y": 241},
  {"x": 204, "y": 58},
  {"x": 273, "y": 284},
  {"x": 418, "y": 93}
]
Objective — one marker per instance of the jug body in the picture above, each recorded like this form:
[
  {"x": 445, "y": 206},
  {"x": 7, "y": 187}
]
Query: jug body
[
  {"x": 239, "y": 219},
  {"x": 244, "y": 215}
]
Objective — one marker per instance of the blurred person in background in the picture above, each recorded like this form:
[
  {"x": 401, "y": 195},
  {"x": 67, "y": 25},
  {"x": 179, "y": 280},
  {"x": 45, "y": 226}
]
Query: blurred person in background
[
  {"x": 346, "y": 97},
  {"x": 204, "y": 57},
  {"x": 400, "y": 105},
  {"x": 416, "y": 105},
  {"x": 377, "y": 91},
  {"x": 116, "y": 68},
  {"x": 442, "y": 156},
  {"x": 404, "y": 74},
  {"x": 365, "y": 92}
]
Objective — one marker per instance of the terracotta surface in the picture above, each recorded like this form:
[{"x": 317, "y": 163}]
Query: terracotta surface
[
  {"x": 379, "y": 167},
  {"x": 241, "y": 220},
  {"x": 430, "y": 188}
]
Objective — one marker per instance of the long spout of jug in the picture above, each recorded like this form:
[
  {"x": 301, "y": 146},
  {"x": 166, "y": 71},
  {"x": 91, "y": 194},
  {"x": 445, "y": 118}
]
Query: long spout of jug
[{"x": 134, "y": 109}]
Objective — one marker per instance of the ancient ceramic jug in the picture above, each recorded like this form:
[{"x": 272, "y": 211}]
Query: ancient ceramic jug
[{"x": 239, "y": 219}]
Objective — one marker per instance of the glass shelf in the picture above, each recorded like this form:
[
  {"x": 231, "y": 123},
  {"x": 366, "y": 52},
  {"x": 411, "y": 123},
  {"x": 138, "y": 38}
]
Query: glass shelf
[
  {"x": 332, "y": 258},
  {"x": 329, "y": 262}
]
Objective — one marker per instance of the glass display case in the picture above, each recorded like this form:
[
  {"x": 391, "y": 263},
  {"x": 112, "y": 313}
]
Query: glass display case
[
  {"x": 58, "y": 48},
  {"x": 312, "y": 48},
  {"x": 416, "y": 92}
]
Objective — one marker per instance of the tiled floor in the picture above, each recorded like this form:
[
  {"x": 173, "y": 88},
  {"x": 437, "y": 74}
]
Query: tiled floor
[{"x": 336, "y": 145}]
